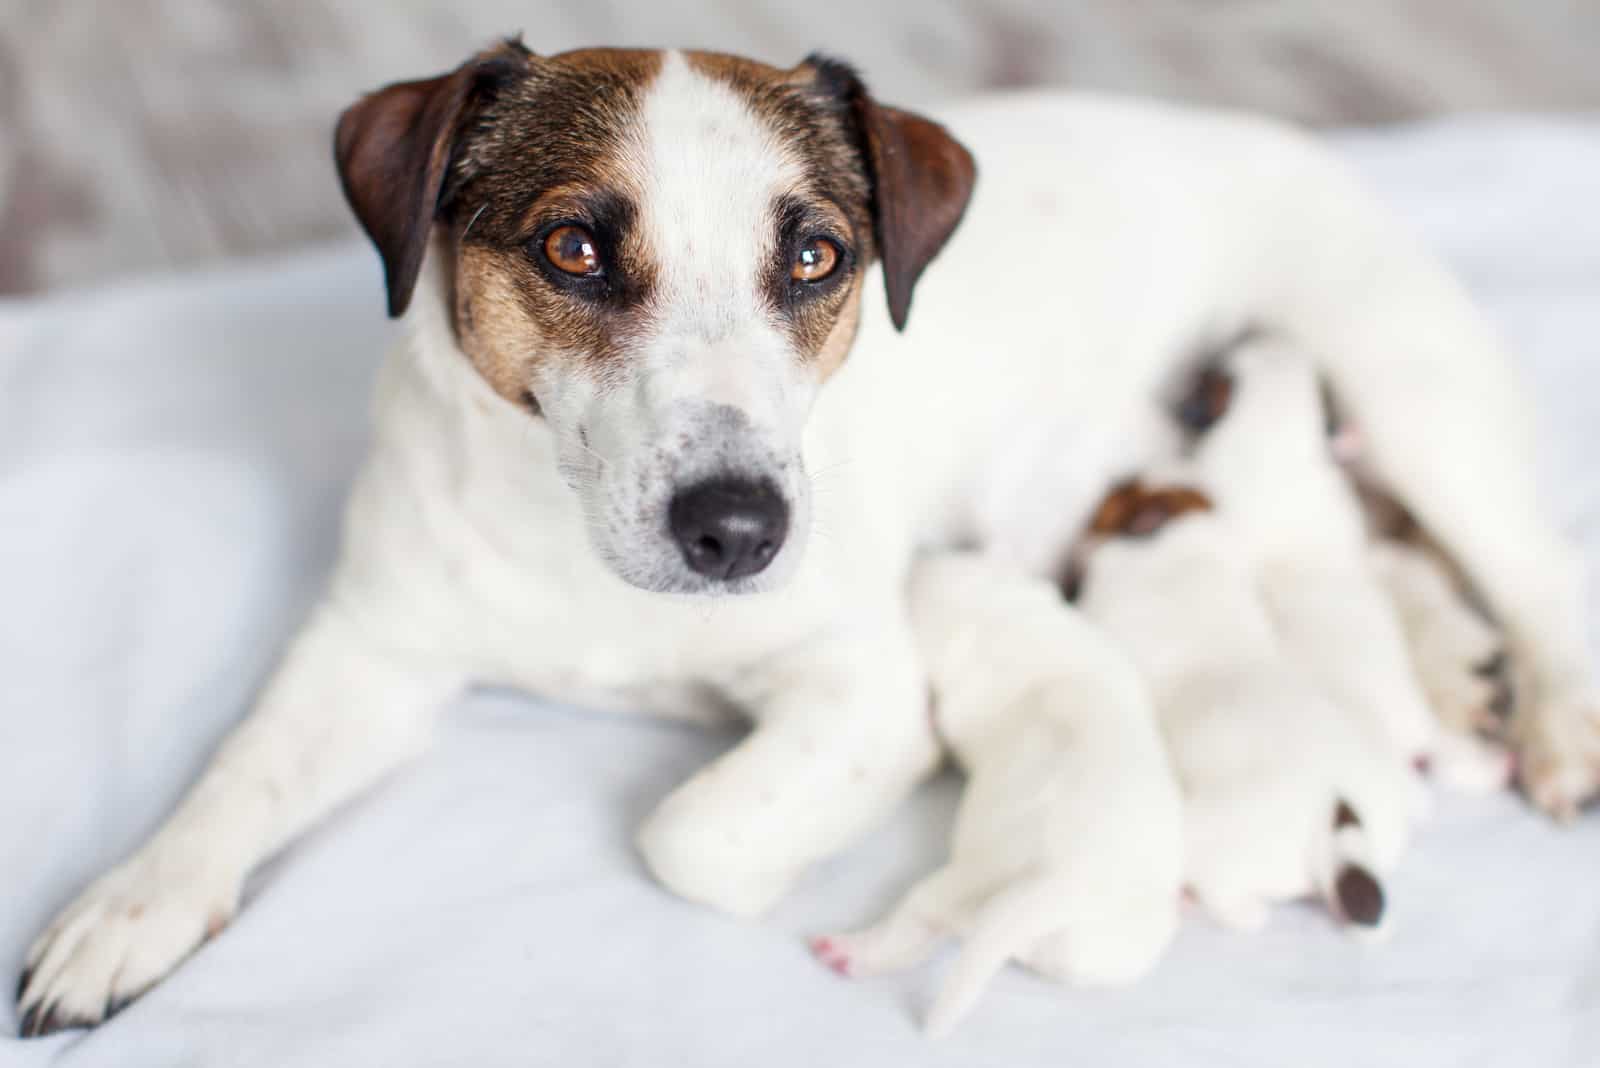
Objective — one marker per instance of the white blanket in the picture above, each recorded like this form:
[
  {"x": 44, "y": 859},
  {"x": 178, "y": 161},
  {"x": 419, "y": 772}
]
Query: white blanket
[{"x": 172, "y": 455}]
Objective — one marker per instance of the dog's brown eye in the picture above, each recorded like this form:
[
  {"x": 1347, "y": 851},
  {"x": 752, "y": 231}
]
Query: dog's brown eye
[
  {"x": 815, "y": 260},
  {"x": 572, "y": 249}
]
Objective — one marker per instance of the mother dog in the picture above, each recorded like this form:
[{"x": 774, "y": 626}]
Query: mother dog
[{"x": 642, "y": 374}]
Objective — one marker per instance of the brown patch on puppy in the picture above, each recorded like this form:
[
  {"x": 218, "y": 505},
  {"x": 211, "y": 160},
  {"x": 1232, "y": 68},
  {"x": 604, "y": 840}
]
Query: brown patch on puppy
[
  {"x": 1359, "y": 895},
  {"x": 1345, "y": 816},
  {"x": 1356, "y": 892},
  {"x": 1133, "y": 510},
  {"x": 1206, "y": 401}
]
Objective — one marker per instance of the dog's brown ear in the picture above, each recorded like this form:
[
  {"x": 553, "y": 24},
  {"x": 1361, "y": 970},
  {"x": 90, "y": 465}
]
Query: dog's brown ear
[
  {"x": 921, "y": 181},
  {"x": 393, "y": 150}
]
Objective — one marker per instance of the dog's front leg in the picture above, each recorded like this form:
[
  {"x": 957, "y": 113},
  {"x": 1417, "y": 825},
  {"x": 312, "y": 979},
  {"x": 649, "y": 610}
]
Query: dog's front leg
[
  {"x": 842, "y": 734},
  {"x": 339, "y": 713}
]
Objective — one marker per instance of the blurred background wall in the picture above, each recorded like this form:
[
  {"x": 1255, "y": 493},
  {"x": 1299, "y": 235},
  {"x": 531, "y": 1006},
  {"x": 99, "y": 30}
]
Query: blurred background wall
[{"x": 148, "y": 134}]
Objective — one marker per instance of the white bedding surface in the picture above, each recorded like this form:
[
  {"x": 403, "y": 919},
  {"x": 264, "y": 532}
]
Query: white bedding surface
[{"x": 172, "y": 455}]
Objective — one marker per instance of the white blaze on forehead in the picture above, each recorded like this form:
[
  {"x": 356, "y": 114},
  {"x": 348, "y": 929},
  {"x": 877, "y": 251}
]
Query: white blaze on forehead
[{"x": 712, "y": 169}]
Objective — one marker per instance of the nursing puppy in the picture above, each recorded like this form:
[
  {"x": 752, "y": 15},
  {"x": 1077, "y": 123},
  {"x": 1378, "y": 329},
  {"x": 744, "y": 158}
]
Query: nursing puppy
[
  {"x": 1279, "y": 667},
  {"x": 641, "y": 368},
  {"x": 1298, "y": 524},
  {"x": 1284, "y": 793},
  {"x": 1065, "y": 853},
  {"x": 1357, "y": 612}
]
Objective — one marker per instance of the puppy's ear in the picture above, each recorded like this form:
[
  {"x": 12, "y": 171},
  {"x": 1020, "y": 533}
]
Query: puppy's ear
[
  {"x": 393, "y": 150},
  {"x": 921, "y": 180}
]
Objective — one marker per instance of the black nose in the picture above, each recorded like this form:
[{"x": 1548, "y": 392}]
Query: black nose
[{"x": 729, "y": 528}]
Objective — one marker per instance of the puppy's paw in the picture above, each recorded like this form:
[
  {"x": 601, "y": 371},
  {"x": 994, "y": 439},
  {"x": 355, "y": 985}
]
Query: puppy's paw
[
  {"x": 1559, "y": 753},
  {"x": 837, "y": 952},
  {"x": 892, "y": 946},
  {"x": 114, "y": 942}
]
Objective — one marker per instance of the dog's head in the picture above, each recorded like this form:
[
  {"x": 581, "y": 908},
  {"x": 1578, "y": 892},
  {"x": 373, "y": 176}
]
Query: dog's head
[{"x": 661, "y": 254}]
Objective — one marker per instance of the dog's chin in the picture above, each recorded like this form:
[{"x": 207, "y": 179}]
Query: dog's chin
[{"x": 661, "y": 570}]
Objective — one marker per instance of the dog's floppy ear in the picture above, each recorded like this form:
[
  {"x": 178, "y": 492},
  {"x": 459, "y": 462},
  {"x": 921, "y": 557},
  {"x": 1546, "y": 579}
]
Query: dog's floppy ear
[
  {"x": 921, "y": 181},
  {"x": 393, "y": 150}
]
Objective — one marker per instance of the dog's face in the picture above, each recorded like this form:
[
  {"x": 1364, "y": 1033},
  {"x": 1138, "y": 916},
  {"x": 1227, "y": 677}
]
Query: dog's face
[{"x": 661, "y": 254}]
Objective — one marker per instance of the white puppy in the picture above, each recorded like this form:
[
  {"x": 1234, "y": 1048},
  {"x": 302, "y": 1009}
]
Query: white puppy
[
  {"x": 1066, "y": 851},
  {"x": 1268, "y": 467},
  {"x": 1377, "y": 626},
  {"x": 1284, "y": 794},
  {"x": 1279, "y": 667}
]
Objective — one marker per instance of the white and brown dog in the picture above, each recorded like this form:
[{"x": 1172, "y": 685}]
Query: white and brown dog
[{"x": 641, "y": 370}]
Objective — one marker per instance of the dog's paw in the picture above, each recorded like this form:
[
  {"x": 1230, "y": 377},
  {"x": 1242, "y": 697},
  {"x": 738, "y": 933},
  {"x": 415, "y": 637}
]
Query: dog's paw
[
  {"x": 1559, "y": 753},
  {"x": 1463, "y": 673},
  {"x": 114, "y": 942},
  {"x": 701, "y": 860}
]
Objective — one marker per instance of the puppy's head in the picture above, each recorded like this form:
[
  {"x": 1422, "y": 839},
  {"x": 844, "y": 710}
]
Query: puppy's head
[{"x": 661, "y": 254}]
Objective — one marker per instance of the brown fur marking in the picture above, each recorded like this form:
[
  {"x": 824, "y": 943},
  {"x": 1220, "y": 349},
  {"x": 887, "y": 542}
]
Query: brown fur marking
[{"x": 1133, "y": 510}]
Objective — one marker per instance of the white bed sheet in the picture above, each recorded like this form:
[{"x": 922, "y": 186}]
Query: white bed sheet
[{"x": 172, "y": 454}]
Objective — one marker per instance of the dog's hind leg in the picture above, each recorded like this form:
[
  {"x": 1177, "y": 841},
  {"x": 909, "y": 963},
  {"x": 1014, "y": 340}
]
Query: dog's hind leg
[
  {"x": 339, "y": 714},
  {"x": 1448, "y": 428}
]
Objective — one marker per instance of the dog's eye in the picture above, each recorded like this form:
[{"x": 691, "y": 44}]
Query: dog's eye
[
  {"x": 815, "y": 260},
  {"x": 573, "y": 249}
]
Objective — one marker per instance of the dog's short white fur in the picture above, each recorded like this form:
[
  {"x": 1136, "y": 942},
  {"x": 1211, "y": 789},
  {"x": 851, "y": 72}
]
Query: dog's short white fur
[
  {"x": 1066, "y": 851},
  {"x": 1107, "y": 240},
  {"x": 1277, "y": 667},
  {"x": 1269, "y": 469}
]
